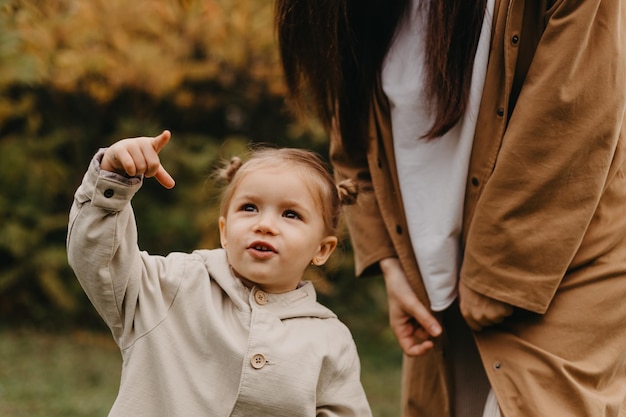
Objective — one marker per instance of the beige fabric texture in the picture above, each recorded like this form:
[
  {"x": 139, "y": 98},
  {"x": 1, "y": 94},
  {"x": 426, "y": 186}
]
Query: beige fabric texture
[{"x": 195, "y": 341}]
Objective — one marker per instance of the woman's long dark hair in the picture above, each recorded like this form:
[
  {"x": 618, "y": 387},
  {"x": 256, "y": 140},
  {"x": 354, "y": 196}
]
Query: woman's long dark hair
[{"x": 332, "y": 53}]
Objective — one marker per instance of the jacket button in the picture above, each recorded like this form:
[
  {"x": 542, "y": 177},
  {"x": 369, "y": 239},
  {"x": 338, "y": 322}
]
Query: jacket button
[
  {"x": 514, "y": 39},
  {"x": 258, "y": 361},
  {"x": 398, "y": 229},
  {"x": 497, "y": 365},
  {"x": 260, "y": 297},
  {"x": 500, "y": 111},
  {"x": 475, "y": 181},
  {"x": 108, "y": 193}
]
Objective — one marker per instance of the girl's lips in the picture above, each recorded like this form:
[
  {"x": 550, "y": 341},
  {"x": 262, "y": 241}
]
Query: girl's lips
[{"x": 261, "y": 250}]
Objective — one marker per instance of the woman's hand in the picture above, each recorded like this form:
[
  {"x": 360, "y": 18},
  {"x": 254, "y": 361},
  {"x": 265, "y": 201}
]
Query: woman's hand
[
  {"x": 139, "y": 156},
  {"x": 481, "y": 311},
  {"x": 412, "y": 323}
]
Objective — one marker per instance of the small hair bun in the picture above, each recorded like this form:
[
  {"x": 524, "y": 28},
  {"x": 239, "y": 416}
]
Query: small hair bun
[
  {"x": 227, "y": 173},
  {"x": 348, "y": 191}
]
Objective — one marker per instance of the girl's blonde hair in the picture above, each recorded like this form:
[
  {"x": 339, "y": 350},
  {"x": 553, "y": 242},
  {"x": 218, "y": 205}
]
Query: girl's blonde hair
[{"x": 329, "y": 196}]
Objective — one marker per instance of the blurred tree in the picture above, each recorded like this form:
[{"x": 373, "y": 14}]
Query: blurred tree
[{"x": 75, "y": 76}]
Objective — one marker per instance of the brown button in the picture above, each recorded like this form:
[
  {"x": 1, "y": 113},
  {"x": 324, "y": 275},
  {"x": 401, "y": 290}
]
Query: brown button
[
  {"x": 258, "y": 361},
  {"x": 260, "y": 297}
]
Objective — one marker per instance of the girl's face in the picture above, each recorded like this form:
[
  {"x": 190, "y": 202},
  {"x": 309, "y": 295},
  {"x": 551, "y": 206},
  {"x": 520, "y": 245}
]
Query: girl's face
[{"x": 273, "y": 229}]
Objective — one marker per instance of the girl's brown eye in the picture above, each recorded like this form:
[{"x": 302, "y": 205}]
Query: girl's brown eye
[
  {"x": 248, "y": 207},
  {"x": 290, "y": 214}
]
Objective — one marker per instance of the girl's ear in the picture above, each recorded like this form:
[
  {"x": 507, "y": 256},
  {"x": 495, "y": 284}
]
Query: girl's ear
[
  {"x": 327, "y": 246},
  {"x": 222, "y": 226}
]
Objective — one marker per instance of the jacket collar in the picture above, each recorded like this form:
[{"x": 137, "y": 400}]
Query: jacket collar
[{"x": 301, "y": 302}]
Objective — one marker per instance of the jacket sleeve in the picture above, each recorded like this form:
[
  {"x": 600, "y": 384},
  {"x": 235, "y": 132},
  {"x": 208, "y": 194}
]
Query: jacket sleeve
[
  {"x": 368, "y": 234},
  {"x": 102, "y": 250},
  {"x": 344, "y": 395},
  {"x": 558, "y": 156}
]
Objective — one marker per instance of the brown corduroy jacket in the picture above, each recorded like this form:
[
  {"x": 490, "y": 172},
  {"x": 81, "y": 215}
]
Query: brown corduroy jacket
[{"x": 544, "y": 225}]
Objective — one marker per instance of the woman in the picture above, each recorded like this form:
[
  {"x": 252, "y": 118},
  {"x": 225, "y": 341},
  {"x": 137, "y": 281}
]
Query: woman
[{"x": 487, "y": 138}]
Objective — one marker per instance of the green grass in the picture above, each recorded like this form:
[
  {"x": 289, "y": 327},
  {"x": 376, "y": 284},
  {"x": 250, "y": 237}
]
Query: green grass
[
  {"x": 77, "y": 374},
  {"x": 66, "y": 375}
]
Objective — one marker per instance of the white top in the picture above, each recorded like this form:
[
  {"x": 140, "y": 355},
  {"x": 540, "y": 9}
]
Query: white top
[{"x": 433, "y": 173}]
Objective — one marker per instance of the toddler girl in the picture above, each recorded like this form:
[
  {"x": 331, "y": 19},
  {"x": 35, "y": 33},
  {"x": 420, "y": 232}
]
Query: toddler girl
[{"x": 224, "y": 332}]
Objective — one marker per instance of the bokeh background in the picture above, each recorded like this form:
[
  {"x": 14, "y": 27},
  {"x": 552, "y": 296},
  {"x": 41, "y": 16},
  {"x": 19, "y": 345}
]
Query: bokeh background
[{"x": 77, "y": 75}]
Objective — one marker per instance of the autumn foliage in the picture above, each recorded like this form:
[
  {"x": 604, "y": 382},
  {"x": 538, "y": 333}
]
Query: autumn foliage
[{"x": 77, "y": 75}]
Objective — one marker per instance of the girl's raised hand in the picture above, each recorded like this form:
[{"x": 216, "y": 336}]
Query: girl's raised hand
[{"x": 139, "y": 156}]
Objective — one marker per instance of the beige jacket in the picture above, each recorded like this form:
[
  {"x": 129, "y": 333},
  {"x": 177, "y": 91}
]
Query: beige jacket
[
  {"x": 544, "y": 217},
  {"x": 195, "y": 341}
]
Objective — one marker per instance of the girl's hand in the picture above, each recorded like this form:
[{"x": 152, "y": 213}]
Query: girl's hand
[
  {"x": 139, "y": 156},
  {"x": 481, "y": 311},
  {"x": 412, "y": 323}
]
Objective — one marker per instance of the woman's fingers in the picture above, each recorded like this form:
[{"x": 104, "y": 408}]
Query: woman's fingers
[
  {"x": 412, "y": 338},
  {"x": 422, "y": 315},
  {"x": 481, "y": 311},
  {"x": 410, "y": 320}
]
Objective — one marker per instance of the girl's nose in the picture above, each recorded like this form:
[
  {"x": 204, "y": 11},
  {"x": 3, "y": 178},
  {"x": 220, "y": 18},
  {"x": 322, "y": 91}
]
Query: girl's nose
[{"x": 265, "y": 224}]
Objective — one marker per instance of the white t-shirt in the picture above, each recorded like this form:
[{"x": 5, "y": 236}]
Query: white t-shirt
[{"x": 433, "y": 173}]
